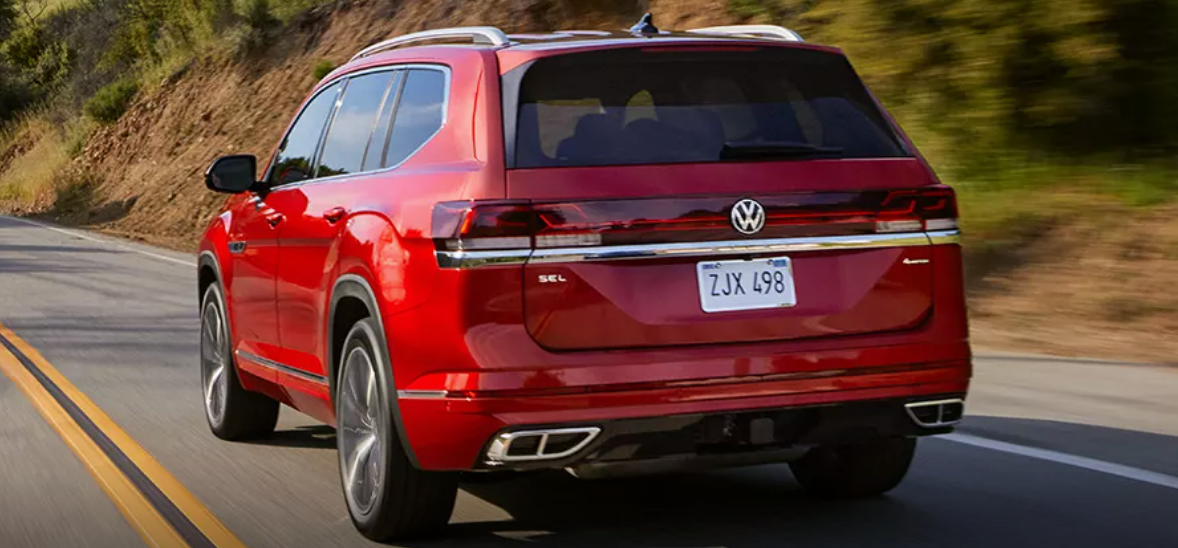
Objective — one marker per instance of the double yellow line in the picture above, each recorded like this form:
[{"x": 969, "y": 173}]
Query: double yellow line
[{"x": 160, "y": 509}]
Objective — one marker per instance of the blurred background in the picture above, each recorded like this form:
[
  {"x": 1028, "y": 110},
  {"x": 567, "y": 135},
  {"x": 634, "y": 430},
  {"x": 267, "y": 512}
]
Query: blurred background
[{"x": 1056, "y": 120}]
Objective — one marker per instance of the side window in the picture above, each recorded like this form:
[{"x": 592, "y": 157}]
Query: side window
[
  {"x": 418, "y": 115},
  {"x": 352, "y": 126},
  {"x": 380, "y": 134},
  {"x": 293, "y": 162}
]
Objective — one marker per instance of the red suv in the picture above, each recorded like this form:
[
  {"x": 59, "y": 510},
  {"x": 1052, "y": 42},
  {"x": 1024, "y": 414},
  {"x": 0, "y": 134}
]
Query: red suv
[{"x": 610, "y": 253}]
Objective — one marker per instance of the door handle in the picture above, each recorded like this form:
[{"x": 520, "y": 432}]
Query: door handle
[
  {"x": 275, "y": 218},
  {"x": 334, "y": 214}
]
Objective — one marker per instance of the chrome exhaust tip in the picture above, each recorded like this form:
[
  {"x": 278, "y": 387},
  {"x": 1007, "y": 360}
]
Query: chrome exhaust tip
[
  {"x": 539, "y": 445},
  {"x": 937, "y": 413}
]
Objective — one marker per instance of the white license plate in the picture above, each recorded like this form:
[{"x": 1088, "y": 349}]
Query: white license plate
[{"x": 726, "y": 286}]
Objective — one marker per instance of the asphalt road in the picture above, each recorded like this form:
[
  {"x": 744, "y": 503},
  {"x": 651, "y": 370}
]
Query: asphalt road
[{"x": 119, "y": 321}]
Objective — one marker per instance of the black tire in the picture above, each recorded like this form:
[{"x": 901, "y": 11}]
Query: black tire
[
  {"x": 234, "y": 413},
  {"x": 403, "y": 501},
  {"x": 855, "y": 471}
]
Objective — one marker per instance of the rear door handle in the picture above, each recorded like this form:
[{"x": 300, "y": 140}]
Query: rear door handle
[
  {"x": 274, "y": 218},
  {"x": 334, "y": 214}
]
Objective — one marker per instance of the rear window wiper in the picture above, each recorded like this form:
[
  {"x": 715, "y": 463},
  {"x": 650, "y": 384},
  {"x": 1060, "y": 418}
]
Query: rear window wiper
[{"x": 766, "y": 150}]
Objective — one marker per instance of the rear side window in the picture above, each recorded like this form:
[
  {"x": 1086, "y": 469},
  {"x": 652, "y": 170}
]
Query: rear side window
[
  {"x": 348, "y": 137},
  {"x": 380, "y": 134},
  {"x": 652, "y": 106},
  {"x": 419, "y": 114},
  {"x": 293, "y": 163}
]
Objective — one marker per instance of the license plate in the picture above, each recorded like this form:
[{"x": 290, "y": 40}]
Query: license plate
[{"x": 726, "y": 286}]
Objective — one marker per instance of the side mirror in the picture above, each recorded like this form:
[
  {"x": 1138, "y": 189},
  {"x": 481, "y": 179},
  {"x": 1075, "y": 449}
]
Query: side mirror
[{"x": 232, "y": 174}]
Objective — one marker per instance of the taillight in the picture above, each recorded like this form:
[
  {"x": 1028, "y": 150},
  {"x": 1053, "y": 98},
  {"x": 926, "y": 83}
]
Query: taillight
[
  {"x": 624, "y": 222},
  {"x": 925, "y": 209},
  {"x": 482, "y": 225},
  {"x": 499, "y": 225}
]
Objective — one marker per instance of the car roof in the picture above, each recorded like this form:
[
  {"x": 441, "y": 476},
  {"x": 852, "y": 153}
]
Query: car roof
[
  {"x": 485, "y": 36},
  {"x": 452, "y": 44}
]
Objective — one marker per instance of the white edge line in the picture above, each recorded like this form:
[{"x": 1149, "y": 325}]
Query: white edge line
[
  {"x": 78, "y": 234},
  {"x": 1119, "y": 470}
]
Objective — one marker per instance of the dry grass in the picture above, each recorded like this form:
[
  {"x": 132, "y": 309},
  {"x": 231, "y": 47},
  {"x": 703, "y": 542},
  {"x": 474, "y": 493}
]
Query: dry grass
[{"x": 33, "y": 152}]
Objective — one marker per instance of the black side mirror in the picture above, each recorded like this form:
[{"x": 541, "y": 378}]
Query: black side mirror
[{"x": 232, "y": 174}]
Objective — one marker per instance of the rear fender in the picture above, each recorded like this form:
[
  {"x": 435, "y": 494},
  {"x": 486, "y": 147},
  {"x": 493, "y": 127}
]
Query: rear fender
[{"x": 373, "y": 270}]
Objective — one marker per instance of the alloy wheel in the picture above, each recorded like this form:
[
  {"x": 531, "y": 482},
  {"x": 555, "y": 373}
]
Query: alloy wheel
[
  {"x": 361, "y": 440},
  {"x": 214, "y": 360}
]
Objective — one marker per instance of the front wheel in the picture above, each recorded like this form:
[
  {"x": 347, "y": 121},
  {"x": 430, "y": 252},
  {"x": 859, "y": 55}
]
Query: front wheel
[
  {"x": 856, "y": 470},
  {"x": 233, "y": 412},
  {"x": 388, "y": 498}
]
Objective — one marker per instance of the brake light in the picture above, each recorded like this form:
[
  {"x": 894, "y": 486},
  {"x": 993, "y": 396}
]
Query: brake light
[
  {"x": 925, "y": 209},
  {"x": 491, "y": 225},
  {"x": 482, "y": 225}
]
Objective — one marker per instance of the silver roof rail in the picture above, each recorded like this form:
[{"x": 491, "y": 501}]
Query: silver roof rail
[
  {"x": 762, "y": 31},
  {"x": 479, "y": 35}
]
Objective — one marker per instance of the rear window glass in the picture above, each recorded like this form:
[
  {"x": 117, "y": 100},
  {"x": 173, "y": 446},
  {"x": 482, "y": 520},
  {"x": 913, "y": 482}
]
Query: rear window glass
[{"x": 645, "y": 106}]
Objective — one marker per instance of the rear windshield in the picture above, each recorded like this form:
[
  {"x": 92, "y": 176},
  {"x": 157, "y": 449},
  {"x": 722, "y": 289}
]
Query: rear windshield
[{"x": 670, "y": 105}]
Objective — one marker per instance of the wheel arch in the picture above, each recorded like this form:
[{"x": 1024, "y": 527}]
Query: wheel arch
[
  {"x": 209, "y": 272},
  {"x": 353, "y": 299}
]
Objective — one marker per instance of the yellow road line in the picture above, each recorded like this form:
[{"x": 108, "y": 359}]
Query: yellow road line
[{"x": 144, "y": 515}]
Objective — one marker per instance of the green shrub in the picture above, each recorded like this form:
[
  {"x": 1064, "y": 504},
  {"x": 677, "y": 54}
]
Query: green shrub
[
  {"x": 111, "y": 101},
  {"x": 257, "y": 14},
  {"x": 24, "y": 46},
  {"x": 322, "y": 69}
]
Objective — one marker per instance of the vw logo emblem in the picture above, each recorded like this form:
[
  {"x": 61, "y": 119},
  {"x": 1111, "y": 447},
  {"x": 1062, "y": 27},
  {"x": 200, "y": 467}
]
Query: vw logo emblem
[{"x": 748, "y": 217}]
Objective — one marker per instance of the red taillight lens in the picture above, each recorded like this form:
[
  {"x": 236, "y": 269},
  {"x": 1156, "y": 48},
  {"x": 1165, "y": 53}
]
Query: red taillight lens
[
  {"x": 931, "y": 208},
  {"x": 625, "y": 222},
  {"x": 522, "y": 225},
  {"x": 482, "y": 225}
]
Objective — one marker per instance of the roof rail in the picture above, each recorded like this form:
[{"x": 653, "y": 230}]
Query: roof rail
[
  {"x": 479, "y": 35},
  {"x": 762, "y": 31}
]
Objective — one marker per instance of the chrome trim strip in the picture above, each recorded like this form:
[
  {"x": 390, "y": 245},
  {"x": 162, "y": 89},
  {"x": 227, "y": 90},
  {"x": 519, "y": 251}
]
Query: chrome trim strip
[
  {"x": 945, "y": 237},
  {"x": 940, "y": 412},
  {"x": 475, "y": 258},
  {"x": 421, "y": 394},
  {"x": 478, "y": 35},
  {"x": 758, "y": 31},
  {"x": 724, "y": 248},
  {"x": 283, "y": 368},
  {"x": 501, "y": 445}
]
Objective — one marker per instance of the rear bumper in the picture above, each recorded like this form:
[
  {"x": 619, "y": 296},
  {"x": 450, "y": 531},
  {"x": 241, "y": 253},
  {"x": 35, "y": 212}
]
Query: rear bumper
[
  {"x": 629, "y": 446},
  {"x": 453, "y": 432}
]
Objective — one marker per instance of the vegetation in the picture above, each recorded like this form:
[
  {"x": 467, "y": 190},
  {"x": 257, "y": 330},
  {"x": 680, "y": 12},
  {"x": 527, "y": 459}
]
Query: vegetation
[
  {"x": 322, "y": 69},
  {"x": 67, "y": 66},
  {"x": 111, "y": 101}
]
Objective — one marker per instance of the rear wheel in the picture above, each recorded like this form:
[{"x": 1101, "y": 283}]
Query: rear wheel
[
  {"x": 233, "y": 412},
  {"x": 854, "y": 471},
  {"x": 388, "y": 498}
]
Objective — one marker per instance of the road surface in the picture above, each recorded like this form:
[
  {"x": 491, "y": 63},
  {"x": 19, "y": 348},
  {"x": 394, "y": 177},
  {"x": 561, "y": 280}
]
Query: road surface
[{"x": 1053, "y": 452}]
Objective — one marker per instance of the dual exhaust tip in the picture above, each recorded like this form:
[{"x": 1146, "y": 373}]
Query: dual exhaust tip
[
  {"x": 540, "y": 445},
  {"x": 558, "y": 443},
  {"x": 937, "y": 413}
]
